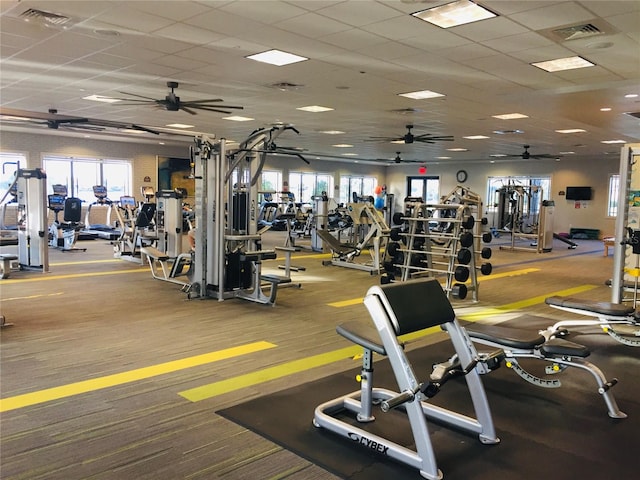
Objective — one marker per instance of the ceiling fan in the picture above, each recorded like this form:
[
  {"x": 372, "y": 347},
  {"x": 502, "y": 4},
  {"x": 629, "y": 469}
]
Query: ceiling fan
[
  {"x": 52, "y": 119},
  {"x": 526, "y": 155},
  {"x": 172, "y": 102},
  {"x": 397, "y": 160},
  {"x": 411, "y": 138}
]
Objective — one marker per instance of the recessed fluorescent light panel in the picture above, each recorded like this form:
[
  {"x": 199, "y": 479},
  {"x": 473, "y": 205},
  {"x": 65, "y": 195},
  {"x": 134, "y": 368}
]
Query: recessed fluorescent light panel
[
  {"x": 100, "y": 98},
  {"x": 238, "y": 118},
  {"x": 421, "y": 94},
  {"x": 510, "y": 116},
  {"x": 476, "y": 137},
  {"x": 342, "y": 145},
  {"x": 332, "y": 132},
  {"x": 350, "y": 154},
  {"x": 179, "y": 125},
  {"x": 497, "y": 155},
  {"x": 560, "y": 64},
  {"x": 315, "y": 108},
  {"x": 277, "y": 57},
  {"x": 457, "y": 150},
  {"x": 609, "y": 142},
  {"x": 571, "y": 130},
  {"x": 454, "y": 14}
]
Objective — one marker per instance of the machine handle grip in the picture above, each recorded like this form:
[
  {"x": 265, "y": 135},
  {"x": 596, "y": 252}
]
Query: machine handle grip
[{"x": 396, "y": 401}]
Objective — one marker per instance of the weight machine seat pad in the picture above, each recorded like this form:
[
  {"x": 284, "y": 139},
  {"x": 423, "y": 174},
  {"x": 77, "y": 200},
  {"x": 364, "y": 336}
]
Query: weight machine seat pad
[
  {"x": 509, "y": 337},
  {"x": 363, "y": 334},
  {"x": 277, "y": 279},
  {"x": 258, "y": 255},
  {"x": 8, "y": 256},
  {"x": 604, "y": 308},
  {"x": 558, "y": 346},
  {"x": 155, "y": 254}
]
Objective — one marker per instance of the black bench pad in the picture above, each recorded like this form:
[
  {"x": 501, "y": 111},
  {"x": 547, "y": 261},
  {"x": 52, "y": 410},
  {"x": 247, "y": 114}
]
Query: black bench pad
[
  {"x": 509, "y": 337},
  {"x": 363, "y": 334},
  {"x": 604, "y": 308},
  {"x": 559, "y": 346}
]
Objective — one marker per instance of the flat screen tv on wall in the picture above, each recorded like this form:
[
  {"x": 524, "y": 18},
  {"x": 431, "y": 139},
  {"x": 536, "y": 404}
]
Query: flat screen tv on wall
[{"x": 578, "y": 193}]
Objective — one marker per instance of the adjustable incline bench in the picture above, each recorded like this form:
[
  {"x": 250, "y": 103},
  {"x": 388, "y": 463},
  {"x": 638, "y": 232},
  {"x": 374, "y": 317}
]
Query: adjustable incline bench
[
  {"x": 606, "y": 315},
  {"x": 560, "y": 353},
  {"x": 397, "y": 309}
]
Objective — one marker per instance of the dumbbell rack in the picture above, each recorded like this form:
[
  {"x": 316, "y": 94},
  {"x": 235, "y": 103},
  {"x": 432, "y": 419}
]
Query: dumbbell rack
[{"x": 429, "y": 240}]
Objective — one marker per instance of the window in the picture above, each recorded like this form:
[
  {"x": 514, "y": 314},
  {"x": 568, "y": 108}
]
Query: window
[
  {"x": 79, "y": 175},
  {"x": 10, "y": 164},
  {"x": 361, "y": 186},
  {"x": 614, "y": 190},
  {"x": 307, "y": 185},
  {"x": 271, "y": 181},
  {"x": 427, "y": 188}
]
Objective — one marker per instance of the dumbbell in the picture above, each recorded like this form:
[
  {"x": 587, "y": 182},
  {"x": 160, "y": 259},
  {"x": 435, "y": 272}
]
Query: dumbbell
[
  {"x": 463, "y": 256},
  {"x": 486, "y": 268},
  {"x": 460, "y": 272},
  {"x": 459, "y": 291}
]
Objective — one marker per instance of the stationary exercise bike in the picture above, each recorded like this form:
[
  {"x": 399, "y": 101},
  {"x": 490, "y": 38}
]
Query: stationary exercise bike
[{"x": 64, "y": 234}]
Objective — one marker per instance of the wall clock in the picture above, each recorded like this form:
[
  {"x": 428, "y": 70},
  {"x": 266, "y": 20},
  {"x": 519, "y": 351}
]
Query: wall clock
[{"x": 461, "y": 176}]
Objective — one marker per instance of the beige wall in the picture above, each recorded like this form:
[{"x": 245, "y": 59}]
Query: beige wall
[
  {"x": 567, "y": 172},
  {"x": 563, "y": 173}
]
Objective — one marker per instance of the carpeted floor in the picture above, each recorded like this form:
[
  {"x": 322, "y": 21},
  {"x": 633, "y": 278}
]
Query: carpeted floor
[{"x": 554, "y": 434}]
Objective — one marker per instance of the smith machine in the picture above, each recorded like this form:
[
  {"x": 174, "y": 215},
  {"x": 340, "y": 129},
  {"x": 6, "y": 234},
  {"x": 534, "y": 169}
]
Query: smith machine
[{"x": 228, "y": 248}]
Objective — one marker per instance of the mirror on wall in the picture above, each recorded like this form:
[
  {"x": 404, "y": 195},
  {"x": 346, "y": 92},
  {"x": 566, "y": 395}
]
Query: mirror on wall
[{"x": 173, "y": 172}]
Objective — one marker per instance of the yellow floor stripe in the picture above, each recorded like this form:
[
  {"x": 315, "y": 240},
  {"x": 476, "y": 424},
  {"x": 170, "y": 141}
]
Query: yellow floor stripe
[
  {"x": 493, "y": 276},
  {"x": 254, "y": 378},
  {"x": 31, "y": 297},
  {"x": 55, "y": 393},
  {"x": 243, "y": 381},
  {"x": 46, "y": 277},
  {"x": 488, "y": 312},
  {"x": 85, "y": 262}
]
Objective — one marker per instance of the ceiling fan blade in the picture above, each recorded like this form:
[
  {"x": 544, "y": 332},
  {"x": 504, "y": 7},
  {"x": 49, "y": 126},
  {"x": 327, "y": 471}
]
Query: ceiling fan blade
[
  {"x": 211, "y": 109},
  {"x": 188, "y": 110},
  {"x": 133, "y": 101},
  {"x": 384, "y": 139},
  {"x": 208, "y": 100},
  {"x": 198, "y": 104},
  {"x": 135, "y": 95}
]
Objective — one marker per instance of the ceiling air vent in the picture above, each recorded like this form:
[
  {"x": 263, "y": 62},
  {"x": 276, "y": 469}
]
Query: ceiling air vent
[{"x": 46, "y": 18}]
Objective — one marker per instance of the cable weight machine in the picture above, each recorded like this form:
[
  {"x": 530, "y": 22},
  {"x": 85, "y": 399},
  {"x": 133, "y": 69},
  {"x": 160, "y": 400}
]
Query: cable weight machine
[{"x": 228, "y": 249}]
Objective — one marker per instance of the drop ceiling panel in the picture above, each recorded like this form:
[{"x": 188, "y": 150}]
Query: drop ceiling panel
[
  {"x": 371, "y": 12},
  {"x": 175, "y": 10},
  {"x": 264, "y": 11},
  {"x": 134, "y": 20},
  {"x": 554, "y": 14},
  {"x": 188, "y": 34}
]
